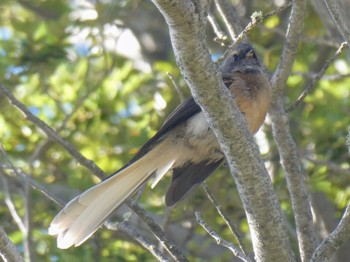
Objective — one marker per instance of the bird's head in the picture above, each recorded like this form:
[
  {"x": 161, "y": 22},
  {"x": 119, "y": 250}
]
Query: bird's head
[{"x": 241, "y": 59}]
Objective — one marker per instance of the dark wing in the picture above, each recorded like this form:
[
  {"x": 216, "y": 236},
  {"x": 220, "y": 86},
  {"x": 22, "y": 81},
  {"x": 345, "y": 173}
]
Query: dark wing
[
  {"x": 186, "y": 178},
  {"x": 183, "y": 112}
]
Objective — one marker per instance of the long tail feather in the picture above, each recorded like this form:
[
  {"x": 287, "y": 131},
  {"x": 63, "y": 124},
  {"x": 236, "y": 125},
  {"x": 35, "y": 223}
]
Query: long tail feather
[{"x": 82, "y": 216}]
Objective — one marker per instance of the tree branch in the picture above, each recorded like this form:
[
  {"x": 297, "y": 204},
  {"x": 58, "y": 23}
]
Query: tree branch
[
  {"x": 284, "y": 140},
  {"x": 230, "y": 17},
  {"x": 30, "y": 181},
  {"x": 10, "y": 205},
  {"x": 333, "y": 167},
  {"x": 339, "y": 20},
  {"x": 178, "y": 90},
  {"x": 293, "y": 37},
  {"x": 52, "y": 134},
  {"x": 29, "y": 253},
  {"x": 187, "y": 20},
  {"x": 130, "y": 231},
  {"x": 226, "y": 218},
  {"x": 8, "y": 251},
  {"x": 317, "y": 77},
  {"x": 220, "y": 241},
  {"x": 348, "y": 140},
  {"x": 221, "y": 36},
  {"x": 335, "y": 240},
  {"x": 157, "y": 231}
]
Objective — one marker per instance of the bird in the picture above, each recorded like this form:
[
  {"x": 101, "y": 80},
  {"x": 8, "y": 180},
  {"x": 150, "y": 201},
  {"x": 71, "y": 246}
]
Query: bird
[{"x": 184, "y": 144}]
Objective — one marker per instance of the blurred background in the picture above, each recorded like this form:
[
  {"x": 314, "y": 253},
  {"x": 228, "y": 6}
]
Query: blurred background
[{"x": 102, "y": 74}]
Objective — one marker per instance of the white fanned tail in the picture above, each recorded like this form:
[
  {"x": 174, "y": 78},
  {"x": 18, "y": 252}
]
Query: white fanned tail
[{"x": 83, "y": 215}]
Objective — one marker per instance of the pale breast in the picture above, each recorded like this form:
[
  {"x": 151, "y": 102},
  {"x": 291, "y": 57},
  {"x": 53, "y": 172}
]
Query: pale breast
[
  {"x": 195, "y": 141},
  {"x": 197, "y": 125}
]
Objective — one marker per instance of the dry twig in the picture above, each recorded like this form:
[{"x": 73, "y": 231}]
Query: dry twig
[
  {"x": 226, "y": 218},
  {"x": 317, "y": 77},
  {"x": 220, "y": 241}
]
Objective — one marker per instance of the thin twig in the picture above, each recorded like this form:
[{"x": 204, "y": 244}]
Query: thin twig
[
  {"x": 21, "y": 222},
  {"x": 8, "y": 201},
  {"x": 257, "y": 18},
  {"x": 178, "y": 90},
  {"x": 127, "y": 229},
  {"x": 319, "y": 41},
  {"x": 88, "y": 91},
  {"x": 335, "y": 240},
  {"x": 279, "y": 9},
  {"x": 317, "y": 77},
  {"x": 52, "y": 134},
  {"x": 28, "y": 179},
  {"x": 332, "y": 77},
  {"x": 140, "y": 192},
  {"x": 348, "y": 140},
  {"x": 157, "y": 231},
  {"x": 30, "y": 255},
  {"x": 220, "y": 241},
  {"x": 226, "y": 218},
  {"x": 338, "y": 19},
  {"x": 230, "y": 17},
  {"x": 330, "y": 165},
  {"x": 221, "y": 37},
  {"x": 45, "y": 144}
]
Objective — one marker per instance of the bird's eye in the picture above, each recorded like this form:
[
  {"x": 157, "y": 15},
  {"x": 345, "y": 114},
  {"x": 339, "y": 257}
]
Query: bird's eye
[{"x": 234, "y": 57}]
